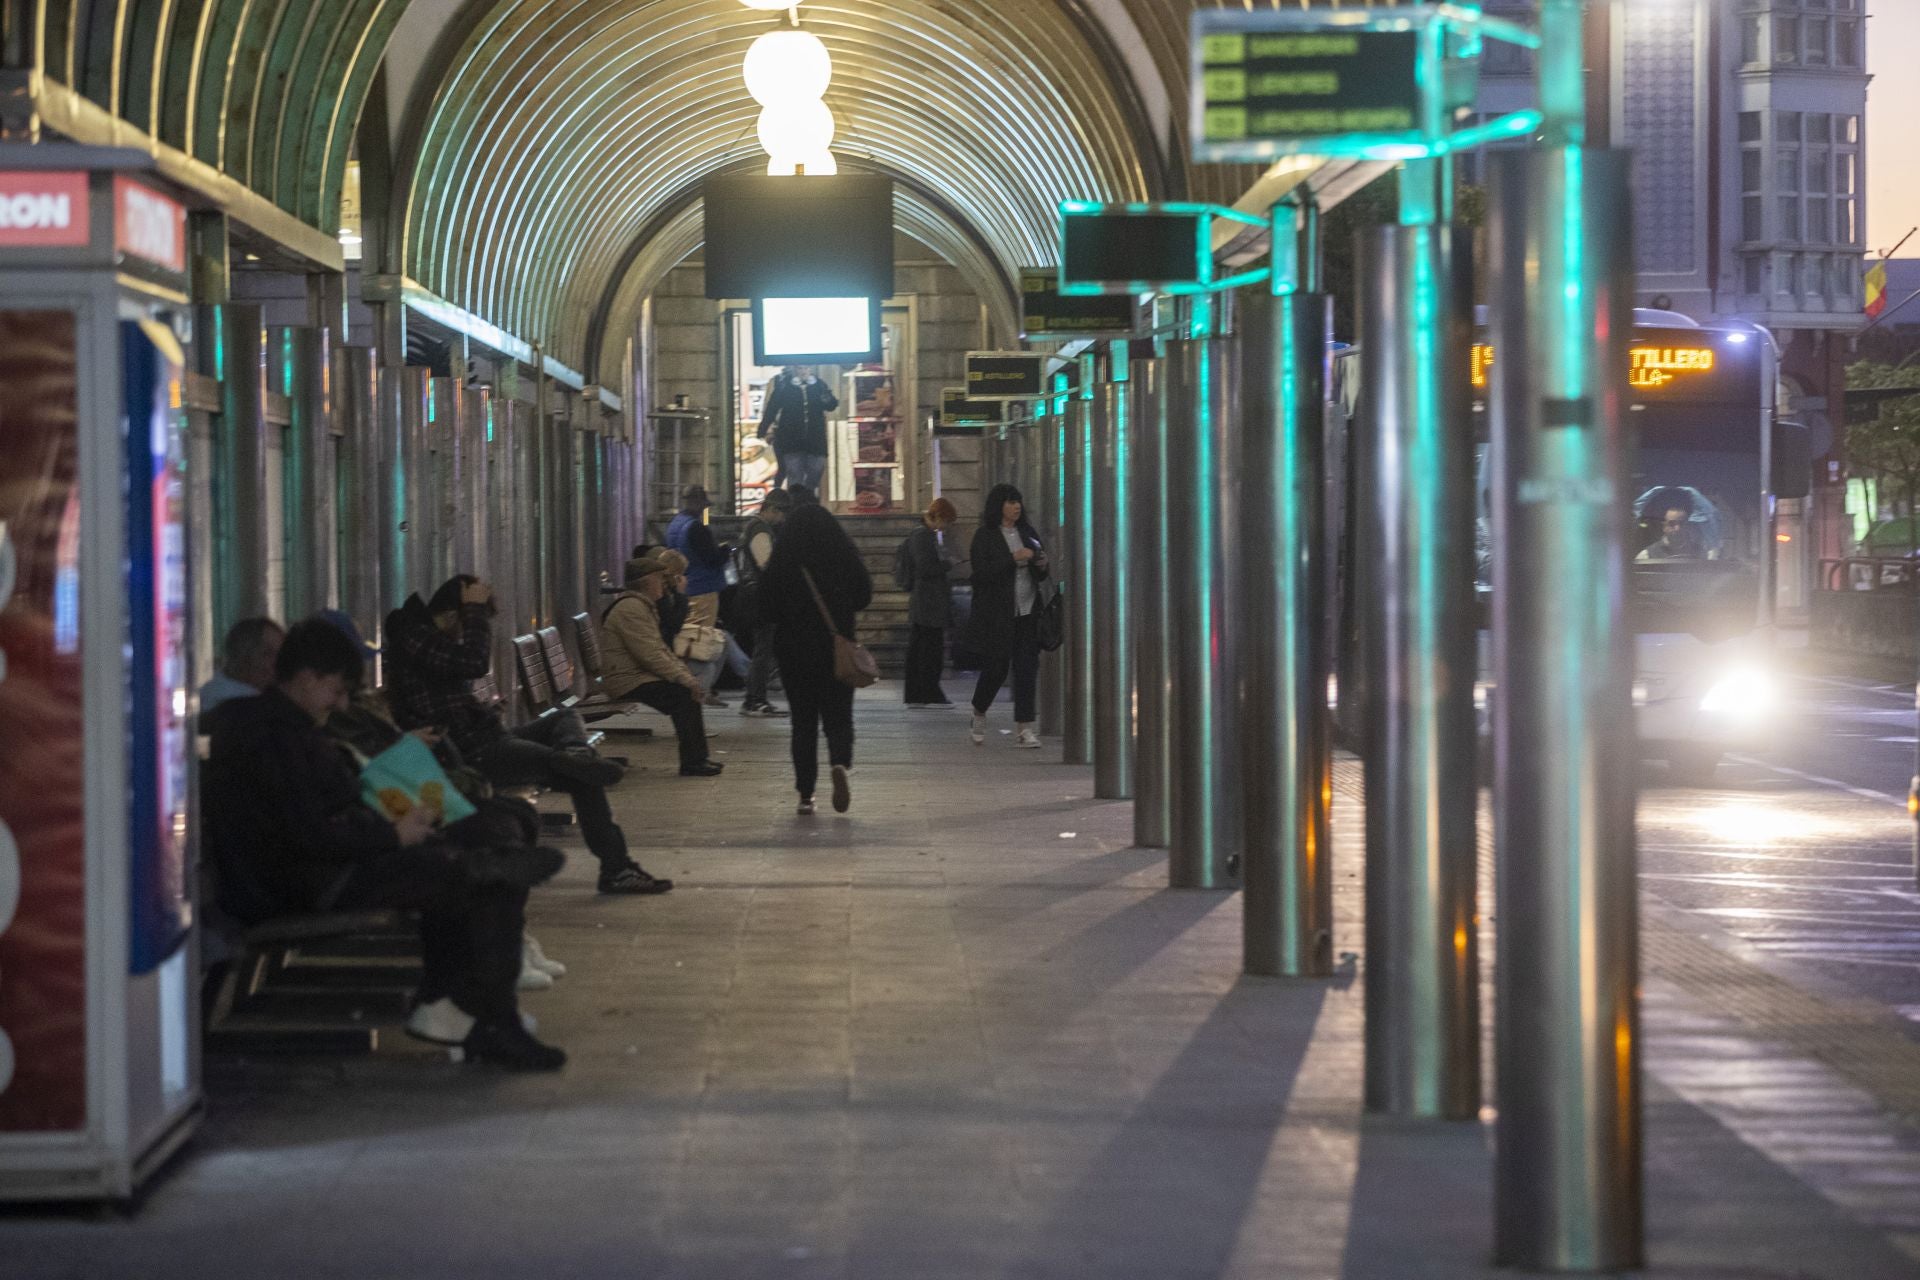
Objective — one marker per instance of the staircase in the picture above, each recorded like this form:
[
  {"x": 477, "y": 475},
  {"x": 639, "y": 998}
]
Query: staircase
[{"x": 884, "y": 628}]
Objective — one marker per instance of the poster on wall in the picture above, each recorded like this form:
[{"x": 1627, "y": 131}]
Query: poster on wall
[{"x": 43, "y": 866}]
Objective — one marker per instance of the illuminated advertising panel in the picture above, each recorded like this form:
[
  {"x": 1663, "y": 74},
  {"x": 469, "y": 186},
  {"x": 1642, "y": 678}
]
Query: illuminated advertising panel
[{"x": 40, "y": 210}]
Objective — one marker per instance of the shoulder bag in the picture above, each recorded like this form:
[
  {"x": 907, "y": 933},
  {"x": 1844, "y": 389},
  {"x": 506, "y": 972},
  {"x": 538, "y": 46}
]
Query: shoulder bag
[
  {"x": 1050, "y": 621},
  {"x": 852, "y": 664}
]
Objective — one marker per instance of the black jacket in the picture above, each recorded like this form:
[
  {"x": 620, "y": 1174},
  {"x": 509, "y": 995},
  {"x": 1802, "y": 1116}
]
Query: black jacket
[
  {"x": 283, "y": 808},
  {"x": 798, "y": 412},
  {"x": 429, "y": 674},
  {"x": 931, "y": 602},
  {"x": 990, "y": 626},
  {"x": 801, "y": 640}
]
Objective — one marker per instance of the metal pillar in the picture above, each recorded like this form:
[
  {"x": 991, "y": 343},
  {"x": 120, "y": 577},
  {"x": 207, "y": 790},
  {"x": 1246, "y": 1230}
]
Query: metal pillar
[
  {"x": 1285, "y": 730},
  {"x": 240, "y": 478},
  {"x": 1203, "y": 413},
  {"x": 356, "y": 479},
  {"x": 1046, "y": 503},
  {"x": 1109, "y": 574},
  {"x": 1073, "y": 571},
  {"x": 1146, "y": 570},
  {"x": 305, "y": 375},
  {"x": 1568, "y": 1160},
  {"x": 1422, "y": 982}
]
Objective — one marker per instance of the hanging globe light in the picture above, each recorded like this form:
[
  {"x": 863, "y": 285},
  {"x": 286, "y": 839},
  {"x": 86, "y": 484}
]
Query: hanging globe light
[
  {"x": 795, "y": 130},
  {"x": 787, "y": 66},
  {"x": 770, "y": 6}
]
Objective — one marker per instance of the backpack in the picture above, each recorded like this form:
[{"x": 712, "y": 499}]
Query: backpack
[{"x": 903, "y": 564}]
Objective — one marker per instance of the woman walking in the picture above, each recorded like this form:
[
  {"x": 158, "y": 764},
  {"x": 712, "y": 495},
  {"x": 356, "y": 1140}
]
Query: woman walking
[
  {"x": 929, "y": 606},
  {"x": 815, "y": 569},
  {"x": 1009, "y": 564}
]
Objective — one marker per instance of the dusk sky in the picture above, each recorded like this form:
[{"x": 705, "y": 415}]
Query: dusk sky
[{"x": 1893, "y": 113}]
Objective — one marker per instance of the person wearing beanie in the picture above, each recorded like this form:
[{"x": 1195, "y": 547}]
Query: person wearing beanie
[{"x": 641, "y": 665}]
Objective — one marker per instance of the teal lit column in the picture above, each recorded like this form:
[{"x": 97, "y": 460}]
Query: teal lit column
[
  {"x": 1147, "y": 569},
  {"x": 1417, "y": 546},
  {"x": 1073, "y": 569},
  {"x": 1110, "y": 576}
]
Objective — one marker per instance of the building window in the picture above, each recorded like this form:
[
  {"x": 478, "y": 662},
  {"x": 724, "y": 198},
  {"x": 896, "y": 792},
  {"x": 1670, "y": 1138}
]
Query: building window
[
  {"x": 1819, "y": 226},
  {"x": 1750, "y": 39},
  {"x": 1816, "y": 42},
  {"x": 1786, "y": 41},
  {"x": 1846, "y": 43},
  {"x": 1752, "y": 277},
  {"x": 1817, "y": 170},
  {"x": 1843, "y": 287},
  {"x": 1750, "y": 124},
  {"x": 1790, "y": 217}
]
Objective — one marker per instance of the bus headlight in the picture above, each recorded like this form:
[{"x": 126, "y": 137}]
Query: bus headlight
[{"x": 1745, "y": 691}]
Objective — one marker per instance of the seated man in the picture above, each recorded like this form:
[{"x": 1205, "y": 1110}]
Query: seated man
[
  {"x": 641, "y": 665},
  {"x": 283, "y": 802},
  {"x": 433, "y": 652},
  {"x": 246, "y": 665}
]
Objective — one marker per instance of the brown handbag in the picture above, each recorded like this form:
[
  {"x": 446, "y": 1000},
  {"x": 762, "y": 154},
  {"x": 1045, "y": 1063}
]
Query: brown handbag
[{"x": 853, "y": 665}]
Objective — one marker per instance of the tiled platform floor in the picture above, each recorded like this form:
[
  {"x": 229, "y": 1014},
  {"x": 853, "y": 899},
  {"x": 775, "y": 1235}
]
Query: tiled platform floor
[{"x": 964, "y": 1032}]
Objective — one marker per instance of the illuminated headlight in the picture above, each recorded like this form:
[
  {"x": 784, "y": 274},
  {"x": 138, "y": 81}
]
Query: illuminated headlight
[{"x": 1745, "y": 691}]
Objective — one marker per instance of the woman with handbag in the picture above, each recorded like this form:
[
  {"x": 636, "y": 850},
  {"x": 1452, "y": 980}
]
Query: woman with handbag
[
  {"x": 811, "y": 591},
  {"x": 1009, "y": 570},
  {"x": 641, "y": 667}
]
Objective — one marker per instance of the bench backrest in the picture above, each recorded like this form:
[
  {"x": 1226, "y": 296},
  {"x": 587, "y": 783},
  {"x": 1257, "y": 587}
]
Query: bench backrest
[
  {"x": 586, "y": 638},
  {"x": 559, "y": 665},
  {"x": 534, "y": 680}
]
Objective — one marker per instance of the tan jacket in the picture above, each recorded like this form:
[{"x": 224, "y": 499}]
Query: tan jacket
[{"x": 636, "y": 653}]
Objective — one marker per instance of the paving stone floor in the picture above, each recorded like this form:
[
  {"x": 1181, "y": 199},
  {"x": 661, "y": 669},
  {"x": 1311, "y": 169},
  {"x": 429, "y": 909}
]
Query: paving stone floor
[{"x": 965, "y": 1031}]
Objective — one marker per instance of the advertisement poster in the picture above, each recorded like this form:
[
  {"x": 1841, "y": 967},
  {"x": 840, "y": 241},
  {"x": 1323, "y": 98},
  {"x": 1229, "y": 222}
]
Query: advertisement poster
[{"x": 43, "y": 871}]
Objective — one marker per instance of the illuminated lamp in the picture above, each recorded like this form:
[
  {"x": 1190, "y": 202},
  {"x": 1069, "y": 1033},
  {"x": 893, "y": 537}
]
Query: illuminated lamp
[
  {"x": 784, "y": 68},
  {"x": 771, "y": 6},
  {"x": 798, "y": 129}
]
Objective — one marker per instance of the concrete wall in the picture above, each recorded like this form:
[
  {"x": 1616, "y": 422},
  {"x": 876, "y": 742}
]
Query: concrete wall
[{"x": 1868, "y": 624}]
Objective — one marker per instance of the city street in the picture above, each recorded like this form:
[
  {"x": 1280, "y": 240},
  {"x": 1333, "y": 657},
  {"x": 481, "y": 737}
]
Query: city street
[{"x": 1804, "y": 850}]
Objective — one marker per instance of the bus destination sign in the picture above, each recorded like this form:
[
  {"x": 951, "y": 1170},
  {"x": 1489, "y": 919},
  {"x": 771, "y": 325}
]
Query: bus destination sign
[
  {"x": 1005, "y": 375},
  {"x": 1319, "y": 84},
  {"x": 1674, "y": 366}
]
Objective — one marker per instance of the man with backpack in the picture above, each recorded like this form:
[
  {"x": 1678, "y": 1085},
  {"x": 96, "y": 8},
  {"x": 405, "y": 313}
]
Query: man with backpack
[{"x": 756, "y": 548}]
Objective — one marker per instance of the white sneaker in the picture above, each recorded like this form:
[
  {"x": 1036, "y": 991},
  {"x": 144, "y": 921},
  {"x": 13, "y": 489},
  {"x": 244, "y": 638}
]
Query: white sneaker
[
  {"x": 531, "y": 954},
  {"x": 979, "y": 733},
  {"x": 1028, "y": 739},
  {"x": 442, "y": 1022},
  {"x": 532, "y": 979}
]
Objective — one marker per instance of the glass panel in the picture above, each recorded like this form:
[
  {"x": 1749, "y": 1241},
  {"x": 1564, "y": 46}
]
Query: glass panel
[
  {"x": 1819, "y": 127},
  {"x": 1789, "y": 217},
  {"x": 1751, "y": 214},
  {"x": 1751, "y": 273},
  {"x": 1786, "y": 40},
  {"x": 1750, "y": 179},
  {"x": 1787, "y": 168},
  {"x": 1749, "y": 126},
  {"x": 1785, "y": 267},
  {"x": 1749, "y": 39},
  {"x": 1817, "y": 169},
  {"x": 1846, "y": 44},
  {"x": 1844, "y": 288},
  {"x": 1846, "y": 173},
  {"x": 1786, "y": 126},
  {"x": 1847, "y": 228},
  {"x": 1851, "y": 133},
  {"x": 1819, "y": 230},
  {"x": 1816, "y": 47}
]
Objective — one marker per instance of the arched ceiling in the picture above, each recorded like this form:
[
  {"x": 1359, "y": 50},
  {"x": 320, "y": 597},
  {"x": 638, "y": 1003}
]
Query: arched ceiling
[
  {"x": 564, "y": 128},
  {"x": 269, "y": 92}
]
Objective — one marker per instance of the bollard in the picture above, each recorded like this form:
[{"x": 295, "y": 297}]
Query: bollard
[
  {"x": 1285, "y": 728},
  {"x": 1073, "y": 571},
  {"x": 1202, "y": 416},
  {"x": 240, "y": 467},
  {"x": 357, "y": 478},
  {"x": 1422, "y": 983},
  {"x": 304, "y": 372},
  {"x": 1567, "y": 1149}
]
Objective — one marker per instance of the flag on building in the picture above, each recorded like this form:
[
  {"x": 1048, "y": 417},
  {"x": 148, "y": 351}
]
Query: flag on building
[{"x": 1876, "y": 283}]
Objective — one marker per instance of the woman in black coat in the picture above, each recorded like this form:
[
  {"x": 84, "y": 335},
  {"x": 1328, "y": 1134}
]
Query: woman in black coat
[
  {"x": 1009, "y": 566},
  {"x": 812, "y": 542},
  {"x": 929, "y": 606}
]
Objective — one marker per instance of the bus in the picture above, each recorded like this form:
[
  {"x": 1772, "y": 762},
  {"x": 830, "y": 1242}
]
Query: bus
[{"x": 1709, "y": 460}]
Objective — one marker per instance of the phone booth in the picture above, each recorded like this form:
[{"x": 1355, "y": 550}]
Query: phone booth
[{"x": 99, "y": 1035}]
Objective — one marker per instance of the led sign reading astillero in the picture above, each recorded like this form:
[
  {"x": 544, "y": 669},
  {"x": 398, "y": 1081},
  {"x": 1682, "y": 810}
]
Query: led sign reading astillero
[
  {"x": 1656, "y": 369},
  {"x": 1650, "y": 368}
]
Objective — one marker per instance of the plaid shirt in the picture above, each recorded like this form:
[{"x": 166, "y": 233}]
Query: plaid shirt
[{"x": 428, "y": 672}]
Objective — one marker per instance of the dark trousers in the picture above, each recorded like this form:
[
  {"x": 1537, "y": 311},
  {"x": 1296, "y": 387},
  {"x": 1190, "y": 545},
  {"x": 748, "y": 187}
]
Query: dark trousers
[
  {"x": 469, "y": 933},
  {"x": 760, "y": 670},
  {"x": 1023, "y": 662},
  {"x": 925, "y": 660},
  {"x": 678, "y": 704},
  {"x": 818, "y": 702},
  {"x": 524, "y": 758}
]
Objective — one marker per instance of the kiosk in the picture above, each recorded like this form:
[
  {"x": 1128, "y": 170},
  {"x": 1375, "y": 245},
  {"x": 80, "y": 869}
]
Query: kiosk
[{"x": 99, "y": 1036}]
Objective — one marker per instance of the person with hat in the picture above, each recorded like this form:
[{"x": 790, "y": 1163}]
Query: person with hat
[
  {"x": 641, "y": 665},
  {"x": 689, "y": 534}
]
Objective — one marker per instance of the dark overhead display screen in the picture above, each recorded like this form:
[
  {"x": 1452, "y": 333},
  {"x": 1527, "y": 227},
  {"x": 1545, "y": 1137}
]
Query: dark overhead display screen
[
  {"x": 1124, "y": 250},
  {"x": 799, "y": 237}
]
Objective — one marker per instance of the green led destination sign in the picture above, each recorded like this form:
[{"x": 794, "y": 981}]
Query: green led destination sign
[
  {"x": 1046, "y": 313},
  {"x": 1374, "y": 83},
  {"x": 957, "y": 411}
]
